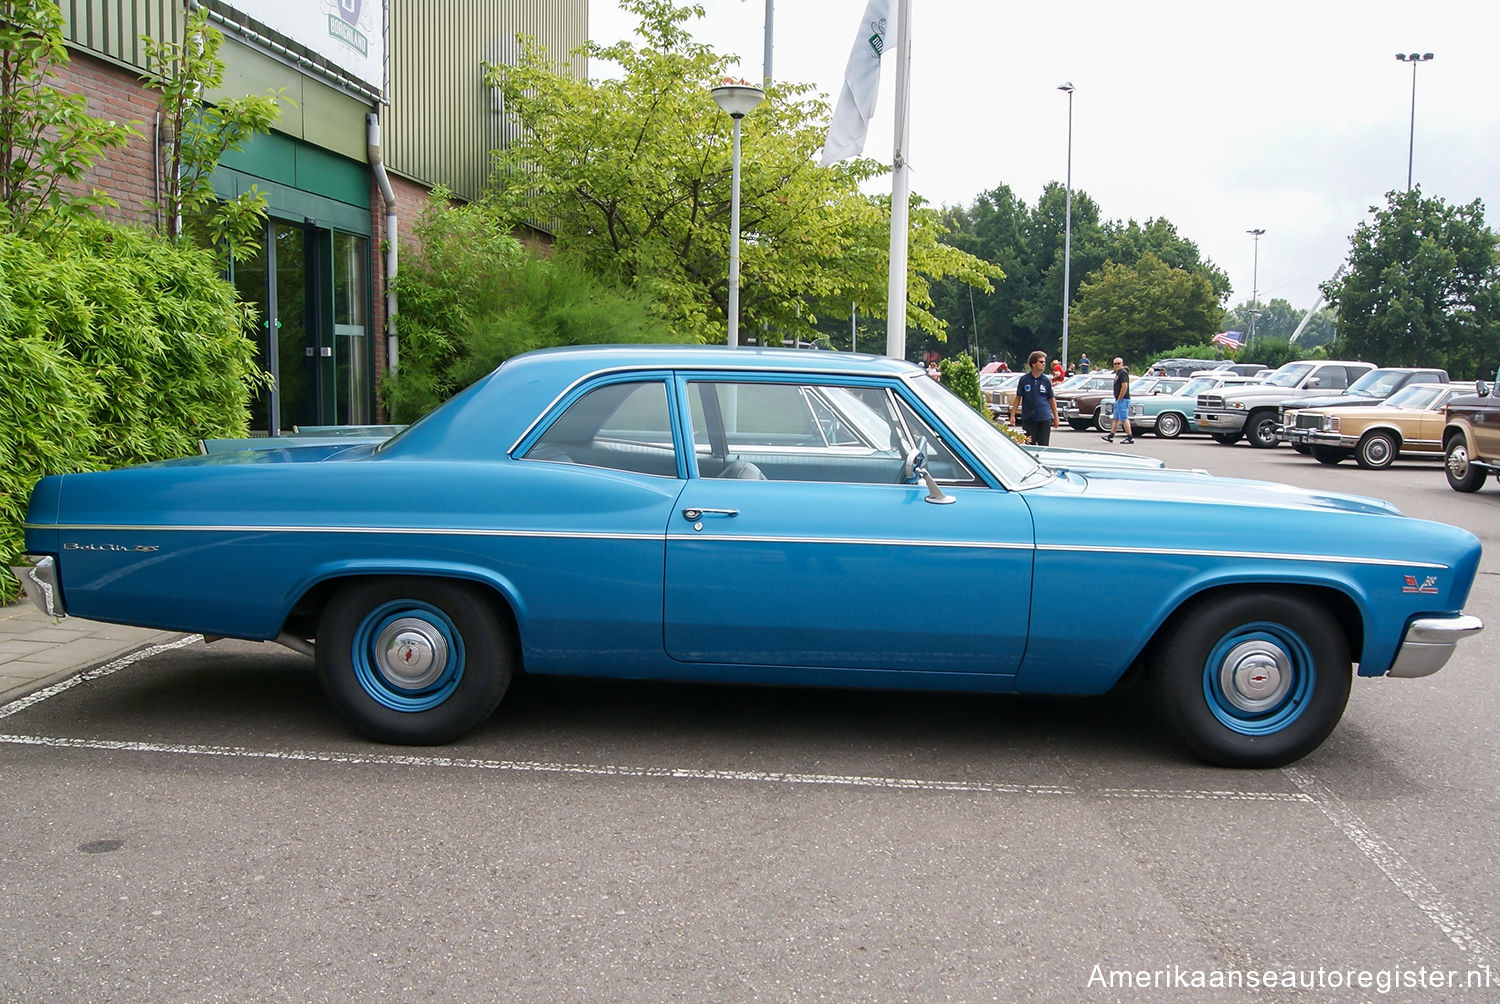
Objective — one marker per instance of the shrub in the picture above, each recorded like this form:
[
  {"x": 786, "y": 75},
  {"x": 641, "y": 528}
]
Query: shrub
[
  {"x": 472, "y": 296},
  {"x": 116, "y": 347},
  {"x": 961, "y": 376}
]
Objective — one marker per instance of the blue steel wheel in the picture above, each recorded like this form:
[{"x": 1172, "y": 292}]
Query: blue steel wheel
[
  {"x": 413, "y": 661},
  {"x": 1255, "y": 679}
]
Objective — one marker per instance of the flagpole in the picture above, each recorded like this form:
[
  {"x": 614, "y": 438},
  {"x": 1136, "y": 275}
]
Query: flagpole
[{"x": 895, "y": 338}]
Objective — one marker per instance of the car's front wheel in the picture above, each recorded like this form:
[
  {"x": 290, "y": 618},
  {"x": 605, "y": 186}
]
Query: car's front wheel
[
  {"x": 413, "y": 661},
  {"x": 1376, "y": 451},
  {"x": 1256, "y": 679},
  {"x": 1104, "y": 419},
  {"x": 1260, "y": 430},
  {"x": 1462, "y": 475},
  {"x": 1169, "y": 425}
]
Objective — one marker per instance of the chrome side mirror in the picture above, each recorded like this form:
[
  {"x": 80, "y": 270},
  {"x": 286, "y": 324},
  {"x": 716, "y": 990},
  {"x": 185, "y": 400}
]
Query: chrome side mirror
[
  {"x": 916, "y": 467},
  {"x": 1481, "y": 388}
]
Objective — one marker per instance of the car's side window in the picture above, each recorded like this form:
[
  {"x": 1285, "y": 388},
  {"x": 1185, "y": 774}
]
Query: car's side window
[
  {"x": 1333, "y": 378},
  {"x": 621, "y": 426},
  {"x": 808, "y": 432}
]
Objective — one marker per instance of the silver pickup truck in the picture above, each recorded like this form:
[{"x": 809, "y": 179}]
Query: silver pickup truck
[{"x": 1227, "y": 413}]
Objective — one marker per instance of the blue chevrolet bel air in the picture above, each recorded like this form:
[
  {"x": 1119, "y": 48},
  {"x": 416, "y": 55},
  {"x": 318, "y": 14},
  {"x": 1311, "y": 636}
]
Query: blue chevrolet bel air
[{"x": 755, "y": 516}]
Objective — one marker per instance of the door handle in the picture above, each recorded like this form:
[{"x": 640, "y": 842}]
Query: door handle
[{"x": 696, "y": 514}]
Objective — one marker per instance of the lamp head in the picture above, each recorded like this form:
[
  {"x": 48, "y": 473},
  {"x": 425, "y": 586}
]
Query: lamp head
[
  {"x": 738, "y": 99},
  {"x": 1068, "y": 86}
]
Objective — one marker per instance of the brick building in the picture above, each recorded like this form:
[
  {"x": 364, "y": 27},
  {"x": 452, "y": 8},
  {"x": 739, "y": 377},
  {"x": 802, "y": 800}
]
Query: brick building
[{"x": 383, "y": 102}]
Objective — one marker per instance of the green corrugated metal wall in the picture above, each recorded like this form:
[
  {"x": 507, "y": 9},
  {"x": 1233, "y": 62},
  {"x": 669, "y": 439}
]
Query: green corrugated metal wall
[
  {"x": 114, "y": 30},
  {"x": 443, "y": 121}
]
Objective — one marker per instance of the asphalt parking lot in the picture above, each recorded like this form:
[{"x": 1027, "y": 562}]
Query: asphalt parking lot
[{"x": 198, "y": 825}]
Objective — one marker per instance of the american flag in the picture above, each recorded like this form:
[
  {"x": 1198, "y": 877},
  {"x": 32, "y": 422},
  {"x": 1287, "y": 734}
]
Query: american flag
[{"x": 1232, "y": 339}]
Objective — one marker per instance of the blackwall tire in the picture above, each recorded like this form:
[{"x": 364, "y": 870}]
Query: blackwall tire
[
  {"x": 1254, "y": 679},
  {"x": 414, "y": 661}
]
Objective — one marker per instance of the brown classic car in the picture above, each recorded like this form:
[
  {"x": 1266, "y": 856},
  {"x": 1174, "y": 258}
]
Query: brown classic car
[
  {"x": 1410, "y": 422},
  {"x": 1471, "y": 438}
]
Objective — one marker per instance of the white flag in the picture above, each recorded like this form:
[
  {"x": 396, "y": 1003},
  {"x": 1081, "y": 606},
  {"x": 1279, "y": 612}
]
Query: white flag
[{"x": 851, "y": 117}]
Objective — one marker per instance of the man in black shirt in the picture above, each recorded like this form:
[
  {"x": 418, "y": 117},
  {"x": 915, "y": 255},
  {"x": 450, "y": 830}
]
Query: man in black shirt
[
  {"x": 1122, "y": 403},
  {"x": 1034, "y": 398}
]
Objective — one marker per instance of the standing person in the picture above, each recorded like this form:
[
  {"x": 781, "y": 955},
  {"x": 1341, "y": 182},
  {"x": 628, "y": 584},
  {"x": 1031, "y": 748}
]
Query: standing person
[
  {"x": 1083, "y": 363},
  {"x": 1033, "y": 396},
  {"x": 1057, "y": 371},
  {"x": 1122, "y": 403}
]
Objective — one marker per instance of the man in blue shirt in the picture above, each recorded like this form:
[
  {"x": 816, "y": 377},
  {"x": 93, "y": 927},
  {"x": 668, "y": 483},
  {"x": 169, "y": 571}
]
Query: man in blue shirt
[{"x": 1034, "y": 398}]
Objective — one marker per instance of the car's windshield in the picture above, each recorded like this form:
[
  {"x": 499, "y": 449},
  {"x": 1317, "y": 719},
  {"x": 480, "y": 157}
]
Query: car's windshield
[
  {"x": 1376, "y": 383},
  {"x": 1197, "y": 386},
  {"x": 1289, "y": 375},
  {"x": 1418, "y": 395},
  {"x": 1008, "y": 461}
]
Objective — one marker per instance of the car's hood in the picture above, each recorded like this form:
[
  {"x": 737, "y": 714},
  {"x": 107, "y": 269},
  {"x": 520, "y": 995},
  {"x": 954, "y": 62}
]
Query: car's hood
[
  {"x": 1197, "y": 487},
  {"x": 1063, "y": 458},
  {"x": 1339, "y": 401},
  {"x": 1373, "y": 412},
  {"x": 1255, "y": 393}
]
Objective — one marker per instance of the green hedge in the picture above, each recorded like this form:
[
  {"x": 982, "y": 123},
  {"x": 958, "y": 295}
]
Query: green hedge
[{"x": 116, "y": 347}]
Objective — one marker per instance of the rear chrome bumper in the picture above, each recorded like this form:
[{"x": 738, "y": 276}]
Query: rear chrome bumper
[
  {"x": 39, "y": 579},
  {"x": 1429, "y": 642}
]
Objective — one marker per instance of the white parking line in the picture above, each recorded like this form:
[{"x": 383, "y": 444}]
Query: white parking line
[
  {"x": 1411, "y": 883},
  {"x": 1455, "y": 927},
  {"x": 669, "y": 773}
]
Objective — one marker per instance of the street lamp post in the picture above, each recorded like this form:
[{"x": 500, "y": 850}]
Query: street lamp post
[
  {"x": 1067, "y": 225},
  {"x": 738, "y": 100},
  {"x": 1255, "y": 282},
  {"x": 1413, "y": 58}
]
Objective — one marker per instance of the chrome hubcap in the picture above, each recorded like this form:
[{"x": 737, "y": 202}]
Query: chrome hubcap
[
  {"x": 1458, "y": 461},
  {"x": 411, "y": 653},
  {"x": 1255, "y": 676}
]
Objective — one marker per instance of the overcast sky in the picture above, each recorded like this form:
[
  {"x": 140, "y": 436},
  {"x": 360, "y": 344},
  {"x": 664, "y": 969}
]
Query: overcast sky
[{"x": 1287, "y": 116}]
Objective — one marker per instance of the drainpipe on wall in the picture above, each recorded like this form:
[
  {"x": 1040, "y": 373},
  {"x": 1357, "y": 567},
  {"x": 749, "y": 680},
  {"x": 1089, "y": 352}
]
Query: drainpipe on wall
[{"x": 372, "y": 146}]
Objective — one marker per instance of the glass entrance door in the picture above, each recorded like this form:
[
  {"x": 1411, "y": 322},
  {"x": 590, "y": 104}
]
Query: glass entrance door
[{"x": 311, "y": 288}]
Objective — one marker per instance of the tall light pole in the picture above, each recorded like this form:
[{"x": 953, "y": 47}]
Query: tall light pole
[
  {"x": 1068, "y": 225},
  {"x": 1413, "y": 58},
  {"x": 738, "y": 100},
  {"x": 1255, "y": 282}
]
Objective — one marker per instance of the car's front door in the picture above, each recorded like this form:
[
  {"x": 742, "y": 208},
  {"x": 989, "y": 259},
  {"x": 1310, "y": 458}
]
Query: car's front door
[{"x": 830, "y": 561}]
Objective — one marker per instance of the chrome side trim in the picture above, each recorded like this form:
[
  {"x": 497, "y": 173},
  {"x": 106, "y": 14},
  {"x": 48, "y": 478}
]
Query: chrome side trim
[
  {"x": 768, "y": 538},
  {"x": 1429, "y": 642},
  {"x": 39, "y": 581},
  {"x": 1204, "y": 553}
]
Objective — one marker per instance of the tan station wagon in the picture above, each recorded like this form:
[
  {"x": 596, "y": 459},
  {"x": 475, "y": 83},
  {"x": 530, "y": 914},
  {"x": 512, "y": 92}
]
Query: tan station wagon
[{"x": 1410, "y": 421}]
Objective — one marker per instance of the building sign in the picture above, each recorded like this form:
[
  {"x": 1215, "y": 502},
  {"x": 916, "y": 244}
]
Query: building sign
[{"x": 350, "y": 34}]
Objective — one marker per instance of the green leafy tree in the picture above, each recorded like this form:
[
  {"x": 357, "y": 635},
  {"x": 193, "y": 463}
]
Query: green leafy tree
[
  {"x": 472, "y": 296},
  {"x": 1138, "y": 311},
  {"x": 633, "y": 176},
  {"x": 199, "y": 133},
  {"x": 1421, "y": 287},
  {"x": 48, "y": 141}
]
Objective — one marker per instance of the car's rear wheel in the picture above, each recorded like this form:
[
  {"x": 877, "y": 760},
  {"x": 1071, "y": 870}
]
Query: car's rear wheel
[
  {"x": 1256, "y": 679},
  {"x": 1376, "y": 451},
  {"x": 1260, "y": 429},
  {"x": 1330, "y": 455},
  {"x": 1462, "y": 475},
  {"x": 413, "y": 661},
  {"x": 1226, "y": 438}
]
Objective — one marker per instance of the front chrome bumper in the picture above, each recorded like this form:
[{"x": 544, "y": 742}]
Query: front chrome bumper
[
  {"x": 1429, "y": 642},
  {"x": 39, "y": 580}
]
